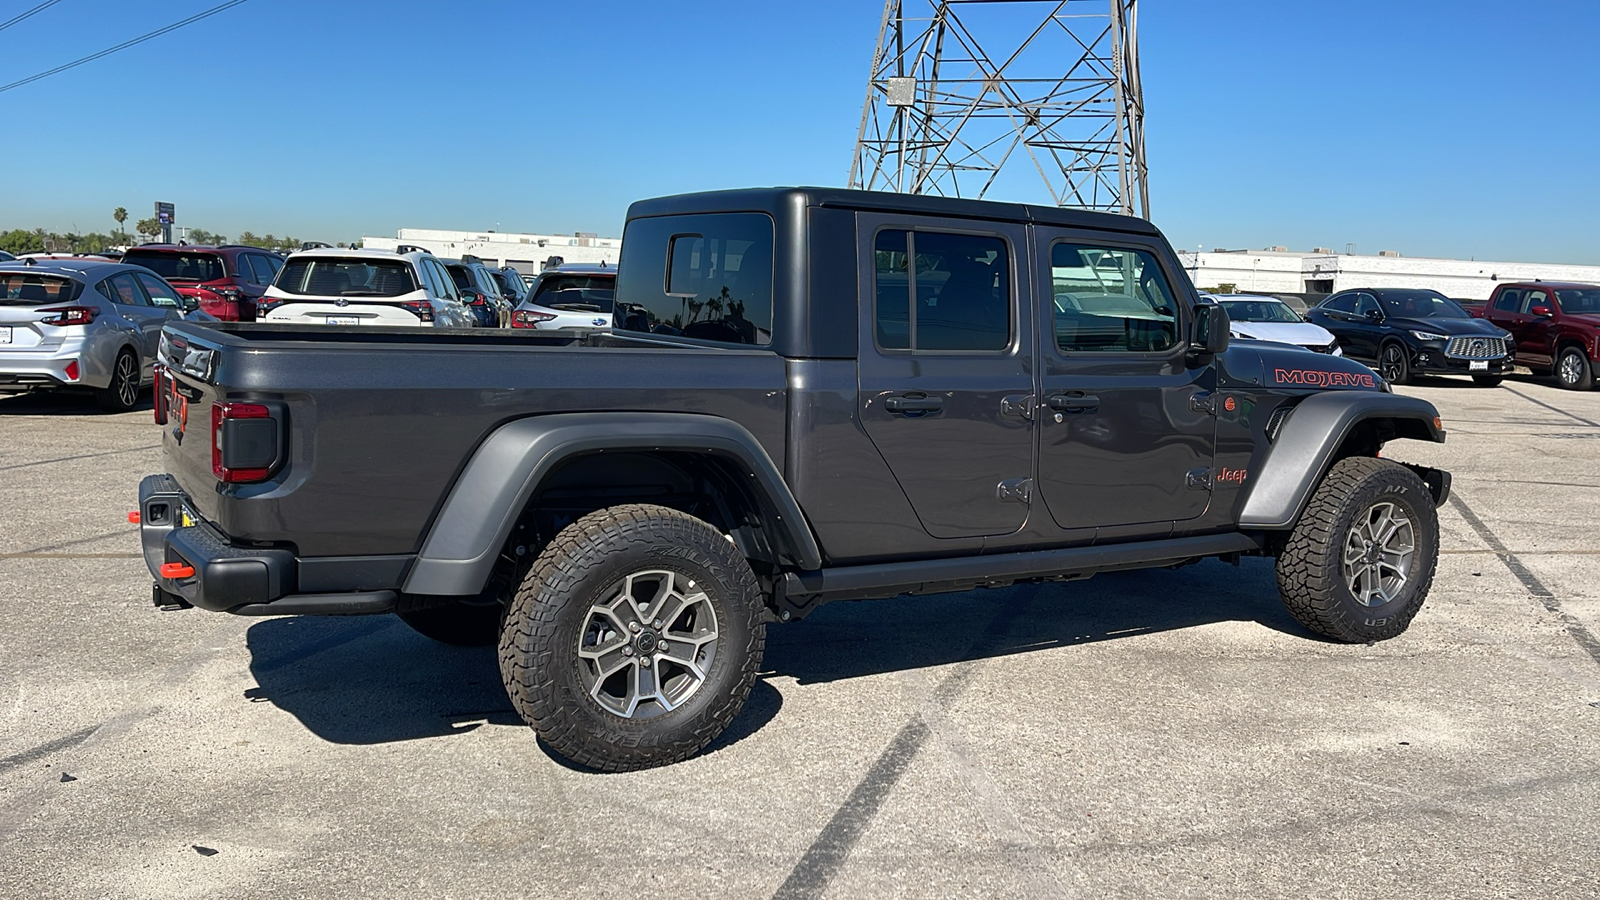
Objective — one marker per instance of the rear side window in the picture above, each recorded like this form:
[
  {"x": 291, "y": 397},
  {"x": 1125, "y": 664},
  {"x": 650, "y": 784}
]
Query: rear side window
[
  {"x": 1110, "y": 299},
  {"x": 262, "y": 267},
  {"x": 1509, "y": 300},
  {"x": 123, "y": 290},
  {"x": 179, "y": 266},
  {"x": 707, "y": 277},
  {"x": 1341, "y": 303},
  {"x": 345, "y": 278},
  {"x": 17, "y": 289},
  {"x": 461, "y": 277},
  {"x": 957, "y": 296}
]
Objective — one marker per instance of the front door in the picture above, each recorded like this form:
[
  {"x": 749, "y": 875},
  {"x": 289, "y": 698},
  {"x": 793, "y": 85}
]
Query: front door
[
  {"x": 946, "y": 369},
  {"x": 1126, "y": 436}
]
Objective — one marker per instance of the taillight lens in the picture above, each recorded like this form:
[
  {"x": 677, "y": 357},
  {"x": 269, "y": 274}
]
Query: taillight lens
[
  {"x": 158, "y": 395},
  {"x": 70, "y": 315},
  {"x": 268, "y": 304},
  {"x": 422, "y": 308},
  {"x": 72, "y": 371},
  {"x": 527, "y": 318},
  {"x": 244, "y": 442}
]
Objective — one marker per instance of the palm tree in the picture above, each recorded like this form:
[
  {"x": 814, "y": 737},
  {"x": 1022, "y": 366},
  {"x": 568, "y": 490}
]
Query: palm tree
[{"x": 121, "y": 215}]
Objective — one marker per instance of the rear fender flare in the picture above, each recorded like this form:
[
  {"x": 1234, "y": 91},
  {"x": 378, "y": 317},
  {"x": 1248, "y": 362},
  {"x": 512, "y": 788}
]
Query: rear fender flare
[
  {"x": 1305, "y": 446},
  {"x": 485, "y": 502}
]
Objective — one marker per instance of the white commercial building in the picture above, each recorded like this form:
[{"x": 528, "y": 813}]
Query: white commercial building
[
  {"x": 1321, "y": 271},
  {"x": 527, "y": 253}
]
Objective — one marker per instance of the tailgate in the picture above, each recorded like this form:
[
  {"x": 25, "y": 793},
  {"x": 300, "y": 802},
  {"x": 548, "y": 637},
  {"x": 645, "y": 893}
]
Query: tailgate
[{"x": 187, "y": 396}]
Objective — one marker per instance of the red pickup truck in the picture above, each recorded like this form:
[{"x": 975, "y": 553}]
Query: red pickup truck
[{"x": 1555, "y": 327}]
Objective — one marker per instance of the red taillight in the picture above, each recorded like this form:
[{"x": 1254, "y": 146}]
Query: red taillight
[
  {"x": 222, "y": 413},
  {"x": 527, "y": 318},
  {"x": 422, "y": 308},
  {"x": 158, "y": 395},
  {"x": 70, "y": 315},
  {"x": 72, "y": 371}
]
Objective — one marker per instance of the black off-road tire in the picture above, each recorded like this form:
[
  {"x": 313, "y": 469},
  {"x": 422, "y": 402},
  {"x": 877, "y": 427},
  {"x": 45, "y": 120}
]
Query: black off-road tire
[
  {"x": 122, "y": 394},
  {"x": 1310, "y": 569},
  {"x": 1488, "y": 380},
  {"x": 1574, "y": 374},
  {"x": 550, "y": 614},
  {"x": 462, "y": 623}
]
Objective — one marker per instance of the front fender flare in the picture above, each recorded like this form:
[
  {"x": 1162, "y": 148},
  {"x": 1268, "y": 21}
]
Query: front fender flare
[
  {"x": 1305, "y": 445},
  {"x": 483, "y": 505}
]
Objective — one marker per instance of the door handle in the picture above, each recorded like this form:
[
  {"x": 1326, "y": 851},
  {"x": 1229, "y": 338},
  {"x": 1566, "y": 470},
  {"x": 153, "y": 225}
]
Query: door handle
[
  {"x": 913, "y": 404},
  {"x": 1075, "y": 403}
]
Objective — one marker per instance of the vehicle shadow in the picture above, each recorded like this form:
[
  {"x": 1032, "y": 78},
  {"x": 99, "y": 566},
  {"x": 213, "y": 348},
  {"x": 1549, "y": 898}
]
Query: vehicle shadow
[
  {"x": 62, "y": 403},
  {"x": 372, "y": 680}
]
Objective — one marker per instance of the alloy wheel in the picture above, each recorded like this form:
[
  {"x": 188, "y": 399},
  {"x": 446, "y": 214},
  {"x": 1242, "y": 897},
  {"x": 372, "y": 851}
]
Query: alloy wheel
[
  {"x": 1393, "y": 364},
  {"x": 646, "y": 649},
  {"x": 1571, "y": 369},
  {"x": 127, "y": 380},
  {"x": 1377, "y": 554}
]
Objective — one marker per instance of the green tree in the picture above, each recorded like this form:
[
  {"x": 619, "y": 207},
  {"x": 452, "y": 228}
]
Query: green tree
[
  {"x": 121, "y": 215},
  {"x": 249, "y": 239},
  {"x": 18, "y": 240},
  {"x": 150, "y": 227}
]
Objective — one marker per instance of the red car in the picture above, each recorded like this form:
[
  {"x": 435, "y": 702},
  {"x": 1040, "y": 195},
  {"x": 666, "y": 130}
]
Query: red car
[
  {"x": 1555, "y": 327},
  {"x": 228, "y": 280}
]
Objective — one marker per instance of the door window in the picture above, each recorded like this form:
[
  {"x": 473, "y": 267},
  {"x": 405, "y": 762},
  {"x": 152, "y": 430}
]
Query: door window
[
  {"x": 1366, "y": 305},
  {"x": 1509, "y": 300},
  {"x": 161, "y": 293},
  {"x": 123, "y": 290},
  {"x": 1345, "y": 303},
  {"x": 1111, "y": 300},
  {"x": 447, "y": 285},
  {"x": 1534, "y": 298},
  {"x": 940, "y": 292},
  {"x": 262, "y": 268}
]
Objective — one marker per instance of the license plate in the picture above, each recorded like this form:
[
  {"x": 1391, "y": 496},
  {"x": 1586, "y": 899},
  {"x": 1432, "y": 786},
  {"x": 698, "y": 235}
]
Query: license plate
[
  {"x": 342, "y": 320},
  {"x": 1478, "y": 365},
  {"x": 5, "y": 335}
]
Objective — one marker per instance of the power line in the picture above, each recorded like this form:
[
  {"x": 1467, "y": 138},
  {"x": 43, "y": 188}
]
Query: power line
[
  {"x": 122, "y": 46},
  {"x": 40, "y": 8}
]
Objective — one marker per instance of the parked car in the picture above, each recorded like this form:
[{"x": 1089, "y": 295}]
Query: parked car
[
  {"x": 365, "y": 287},
  {"x": 623, "y": 513},
  {"x": 577, "y": 296},
  {"x": 1270, "y": 319},
  {"x": 480, "y": 291},
  {"x": 6, "y": 257},
  {"x": 1554, "y": 327},
  {"x": 512, "y": 287},
  {"x": 228, "y": 281},
  {"x": 84, "y": 325},
  {"x": 1414, "y": 331}
]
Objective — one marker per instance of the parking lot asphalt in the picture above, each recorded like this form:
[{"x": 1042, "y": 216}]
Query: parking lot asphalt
[{"x": 1148, "y": 734}]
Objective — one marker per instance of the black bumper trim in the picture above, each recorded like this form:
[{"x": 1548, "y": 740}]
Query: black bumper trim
[{"x": 364, "y": 603}]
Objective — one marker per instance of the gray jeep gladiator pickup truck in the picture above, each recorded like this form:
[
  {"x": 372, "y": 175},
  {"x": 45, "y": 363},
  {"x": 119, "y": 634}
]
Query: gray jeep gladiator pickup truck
[{"x": 810, "y": 395}]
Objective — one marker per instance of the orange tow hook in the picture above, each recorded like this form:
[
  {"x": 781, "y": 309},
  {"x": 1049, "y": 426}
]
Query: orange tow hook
[
  {"x": 176, "y": 570},
  {"x": 133, "y": 517}
]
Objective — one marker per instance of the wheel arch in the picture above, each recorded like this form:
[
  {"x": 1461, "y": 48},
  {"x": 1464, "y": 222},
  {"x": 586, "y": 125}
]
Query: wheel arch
[
  {"x": 1323, "y": 429},
  {"x": 515, "y": 464}
]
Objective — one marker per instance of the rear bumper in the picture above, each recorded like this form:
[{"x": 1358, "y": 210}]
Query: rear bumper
[
  {"x": 247, "y": 581},
  {"x": 23, "y": 369}
]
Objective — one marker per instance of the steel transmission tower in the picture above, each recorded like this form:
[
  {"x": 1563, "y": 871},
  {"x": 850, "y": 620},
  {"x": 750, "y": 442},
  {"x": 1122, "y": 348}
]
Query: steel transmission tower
[{"x": 961, "y": 89}]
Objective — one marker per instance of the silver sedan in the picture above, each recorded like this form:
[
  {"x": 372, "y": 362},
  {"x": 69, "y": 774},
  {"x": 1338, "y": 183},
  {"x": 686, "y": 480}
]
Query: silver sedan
[{"x": 84, "y": 324}]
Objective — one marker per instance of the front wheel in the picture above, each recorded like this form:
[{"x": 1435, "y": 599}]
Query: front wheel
[
  {"x": 1573, "y": 371},
  {"x": 1394, "y": 363},
  {"x": 634, "y": 639},
  {"x": 1361, "y": 558}
]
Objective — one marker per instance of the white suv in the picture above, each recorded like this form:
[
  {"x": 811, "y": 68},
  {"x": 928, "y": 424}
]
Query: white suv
[{"x": 364, "y": 287}]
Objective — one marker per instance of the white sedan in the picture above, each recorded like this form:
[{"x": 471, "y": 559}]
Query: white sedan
[{"x": 1270, "y": 319}]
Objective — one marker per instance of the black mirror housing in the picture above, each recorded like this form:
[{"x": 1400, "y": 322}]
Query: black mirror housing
[{"x": 1211, "y": 326}]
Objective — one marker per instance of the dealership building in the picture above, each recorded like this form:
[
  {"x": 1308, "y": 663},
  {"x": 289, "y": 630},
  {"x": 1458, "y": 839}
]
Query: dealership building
[
  {"x": 1279, "y": 270},
  {"x": 527, "y": 253}
]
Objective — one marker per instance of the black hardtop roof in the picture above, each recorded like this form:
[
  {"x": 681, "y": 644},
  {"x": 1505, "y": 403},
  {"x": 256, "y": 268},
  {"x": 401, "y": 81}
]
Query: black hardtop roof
[{"x": 774, "y": 199}]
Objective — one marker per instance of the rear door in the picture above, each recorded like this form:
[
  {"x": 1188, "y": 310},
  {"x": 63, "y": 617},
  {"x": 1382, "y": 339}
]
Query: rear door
[
  {"x": 1505, "y": 309},
  {"x": 1126, "y": 436},
  {"x": 946, "y": 367},
  {"x": 133, "y": 304},
  {"x": 1536, "y": 335},
  {"x": 163, "y": 300}
]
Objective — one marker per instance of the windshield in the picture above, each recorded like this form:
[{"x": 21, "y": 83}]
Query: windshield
[
  {"x": 345, "y": 278},
  {"x": 1421, "y": 305},
  {"x": 568, "y": 282},
  {"x": 17, "y": 289},
  {"x": 1260, "y": 311},
  {"x": 1582, "y": 301},
  {"x": 179, "y": 266}
]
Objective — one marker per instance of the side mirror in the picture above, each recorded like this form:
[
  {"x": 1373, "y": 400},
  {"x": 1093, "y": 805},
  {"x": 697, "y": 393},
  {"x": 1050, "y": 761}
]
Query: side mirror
[
  {"x": 1211, "y": 326},
  {"x": 190, "y": 304},
  {"x": 1541, "y": 311},
  {"x": 1374, "y": 315}
]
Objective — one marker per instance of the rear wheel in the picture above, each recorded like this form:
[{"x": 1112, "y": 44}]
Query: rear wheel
[
  {"x": 1573, "y": 371},
  {"x": 1361, "y": 558},
  {"x": 1394, "y": 363},
  {"x": 634, "y": 639},
  {"x": 123, "y": 391},
  {"x": 1488, "y": 380}
]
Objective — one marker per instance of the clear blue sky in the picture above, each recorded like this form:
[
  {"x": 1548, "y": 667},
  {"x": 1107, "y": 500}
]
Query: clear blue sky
[{"x": 1429, "y": 127}]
